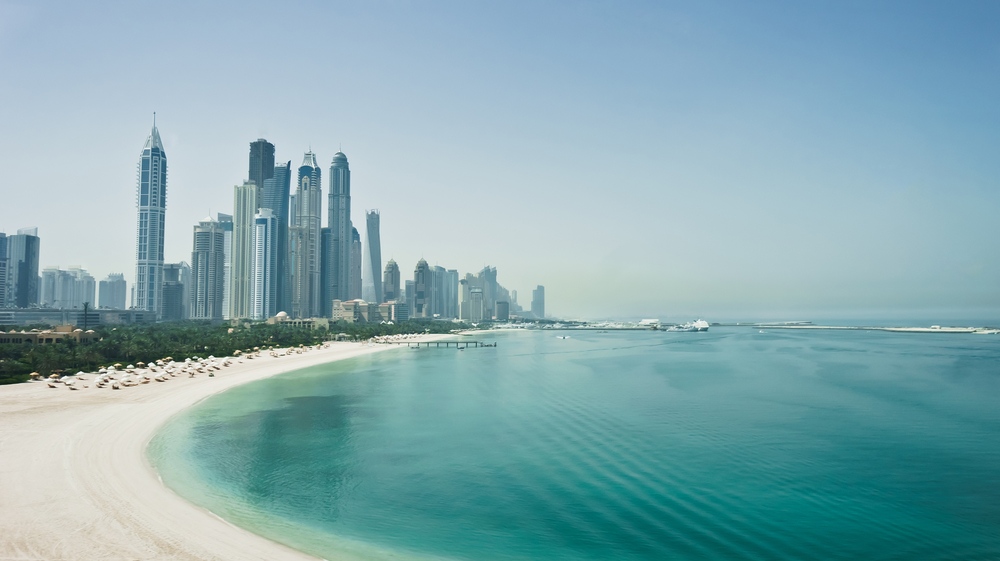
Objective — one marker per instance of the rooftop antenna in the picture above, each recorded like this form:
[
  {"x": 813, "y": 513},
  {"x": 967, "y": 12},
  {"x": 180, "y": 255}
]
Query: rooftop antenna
[{"x": 154, "y": 119}]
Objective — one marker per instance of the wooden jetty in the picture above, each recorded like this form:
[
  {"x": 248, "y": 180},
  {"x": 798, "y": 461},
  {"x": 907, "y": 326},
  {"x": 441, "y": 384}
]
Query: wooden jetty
[{"x": 445, "y": 344}]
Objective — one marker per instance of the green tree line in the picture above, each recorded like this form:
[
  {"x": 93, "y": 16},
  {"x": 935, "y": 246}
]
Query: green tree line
[{"x": 180, "y": 340}]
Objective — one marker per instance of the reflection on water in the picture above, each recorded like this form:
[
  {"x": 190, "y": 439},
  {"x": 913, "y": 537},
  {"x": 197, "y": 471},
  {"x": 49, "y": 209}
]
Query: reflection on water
[{"x": 731, "y": 444}]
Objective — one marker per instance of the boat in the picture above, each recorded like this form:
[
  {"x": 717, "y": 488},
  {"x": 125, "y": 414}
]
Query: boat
[{"x": 700, "y": 325}]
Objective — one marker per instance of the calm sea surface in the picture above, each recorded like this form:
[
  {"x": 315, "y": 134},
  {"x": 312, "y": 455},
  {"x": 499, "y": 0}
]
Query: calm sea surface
[{"x": 731, "y": 444}]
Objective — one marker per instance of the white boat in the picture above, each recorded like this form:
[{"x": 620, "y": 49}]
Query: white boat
[{"x": 700, "y": 325}]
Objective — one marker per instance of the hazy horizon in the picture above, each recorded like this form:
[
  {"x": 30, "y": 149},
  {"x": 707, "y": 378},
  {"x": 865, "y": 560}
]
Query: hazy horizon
[{"x": 772, "y": 160}]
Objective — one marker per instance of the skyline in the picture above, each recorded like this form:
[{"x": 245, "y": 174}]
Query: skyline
[{"x": 691, "y": 160}]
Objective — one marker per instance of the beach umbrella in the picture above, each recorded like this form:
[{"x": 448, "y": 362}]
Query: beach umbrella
[
  {"x": 118, "y": 365},
  {"x": 53, "y": 376}
]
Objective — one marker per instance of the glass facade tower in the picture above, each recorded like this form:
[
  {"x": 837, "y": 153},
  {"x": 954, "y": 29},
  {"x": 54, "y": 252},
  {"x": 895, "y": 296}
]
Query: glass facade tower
[{"x": 151, "y": 199}]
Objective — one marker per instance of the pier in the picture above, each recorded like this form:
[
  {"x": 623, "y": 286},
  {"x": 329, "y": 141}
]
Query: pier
[{"x": 445, "y": 344}]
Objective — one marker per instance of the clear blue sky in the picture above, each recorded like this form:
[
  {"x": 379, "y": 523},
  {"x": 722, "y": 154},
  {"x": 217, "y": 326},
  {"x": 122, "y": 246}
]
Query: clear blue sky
[{"x": 726, "y": 159}]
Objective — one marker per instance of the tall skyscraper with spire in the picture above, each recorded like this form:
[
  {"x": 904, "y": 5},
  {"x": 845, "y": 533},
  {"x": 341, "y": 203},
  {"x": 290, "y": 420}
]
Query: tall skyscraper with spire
[
  {"x": 261, "y": 162},
  {"x": 371, "y": 274},
  {"x": 305, "y": 241},
  {"x": 151, "y": 198},
  {"x": 339, "y": 222}
]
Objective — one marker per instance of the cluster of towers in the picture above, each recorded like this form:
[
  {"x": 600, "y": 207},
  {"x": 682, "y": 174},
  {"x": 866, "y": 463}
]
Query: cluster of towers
[{"x": 273, "y": 254}]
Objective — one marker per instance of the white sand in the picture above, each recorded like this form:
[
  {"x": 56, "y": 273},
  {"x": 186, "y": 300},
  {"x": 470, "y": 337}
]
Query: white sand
[{"x": 75, "y": 482}]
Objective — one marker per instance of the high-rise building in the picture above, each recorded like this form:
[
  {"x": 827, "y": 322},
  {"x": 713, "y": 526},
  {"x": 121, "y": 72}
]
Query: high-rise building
[
  {"x": 339, "y": 222},
  {"x": 390, "y": 282},
  {"x": 226, "y": 224},
  {"x": 151, "y": 196},
  {"x": 409, "y": 296},
  {"x": 261, "y": 162},
  {"x": 275, "y": 196},
  {"x": 477, "y": 305},
  {"x": 23, "y": 251},
  {"x": 371, "y": 273},
  {"x": 264, "y": 289},
  {"x": 207, "y": 270},
  {"x": 112, "y": 292},
  {"x": 326, "y": 266},
  {"x": 305, "y": 241},
  {"x": 355, "y": 263},
  {"x": 421, "y": 291},
  {"x": 538, "y": 302},
  {"x": 176, "y": 300},
  {"x": 245, "y": 203},
  {"x": 3, "y": 270},
  {"x": 503, "y": 311},
  {"x": 450, "y": 294},
  {"x": 488, "y": 282},
  {"x": 435, "y": 300}
]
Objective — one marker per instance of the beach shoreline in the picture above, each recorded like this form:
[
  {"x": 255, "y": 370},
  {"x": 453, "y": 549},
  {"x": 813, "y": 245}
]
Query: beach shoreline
[{"x": 75, "y": 482}]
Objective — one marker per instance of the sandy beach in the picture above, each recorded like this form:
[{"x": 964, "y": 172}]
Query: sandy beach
[{"x": 75, "y": 482}]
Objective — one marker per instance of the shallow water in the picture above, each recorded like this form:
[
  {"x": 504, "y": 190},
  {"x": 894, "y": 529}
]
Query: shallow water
[{"x": 731, "y": 444}]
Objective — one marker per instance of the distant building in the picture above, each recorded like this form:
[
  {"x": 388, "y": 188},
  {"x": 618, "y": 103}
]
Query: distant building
[
  {"x": 69, "y": 289},
  {"x": 488, "y": 283},
  {"x": 304, "y": 243},
  {"x": 75, "y": 317},
  {"x": 111, "y": 293},
  {"x": 245, "y": 203},
  {"x": 3, "y": 270},
  {"x": 449, "y": 293},
  {"x": 339, "y": 222},
  {"x": 371, "y": 273},
  {"x": 538, "y": 302},
  {"x": 283, "y": 319},
  {"x": 176, "y": 300},
  {"x": 390, "y": 282},
  {"x": 326, "y": 269},
  {"x": 207, "y": 270},
  {"x": 421, "y": 287},
  {"x": 151, "y": 198},
  {"x": 227, "y": 226},
  {"x": 263, "y": 293},
  {"x": 503, "y": 311},
  {"x": 275, "y": 196},
  {"x": 22, "y": 269},
  {"x": 477, "y": 306},
  {"x": 261, "y": 162},
  {"x": 409, "y": 292},
  {"x": 355, "y": 264}
]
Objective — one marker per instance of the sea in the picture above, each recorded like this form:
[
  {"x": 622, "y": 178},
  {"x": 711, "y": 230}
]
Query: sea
[{"x": 736, "y": 443}]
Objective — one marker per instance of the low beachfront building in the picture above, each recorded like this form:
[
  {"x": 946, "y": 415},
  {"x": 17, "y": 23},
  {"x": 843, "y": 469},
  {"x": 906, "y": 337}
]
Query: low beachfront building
[
  {"x": 284, "y": 319},
  {"x": 60, "y": 334}
]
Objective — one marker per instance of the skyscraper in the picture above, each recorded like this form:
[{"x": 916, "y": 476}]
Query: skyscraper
[
  {"x": 305, "y": 240},
  {"x": 275, "y": 196},
  {"x": 207, "y": 271},
  {"x": 263, "y": 289},
  {"x": 152, "y": 204},
  {"x": 261, "y": 162},
  {"x": 326, "y": 266},
  {"x": 354, "y": 290},
  {"x": 111, "y": 292},
  {"x": 538, "y": 302},
  {"x": 23, "y": 250},
  {"x": 245, "y": 203},
  {"x": 226, "y": 224},
  {"x": 176, "y": 300},
  {"x": 421, "y": 291},
  {"x": 371, "y": 273},
  {"x": 390, "y": 282},
  {"x": 339, "y": 222},
  {"x": 3, "y": 270},
  {"x": 450, "y": 294}
]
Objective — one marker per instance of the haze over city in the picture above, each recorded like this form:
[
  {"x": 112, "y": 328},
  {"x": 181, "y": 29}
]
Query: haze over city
[{"x": 647, "y": 160}]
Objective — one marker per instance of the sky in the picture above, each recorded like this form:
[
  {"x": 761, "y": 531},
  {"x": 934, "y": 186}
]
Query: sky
[{"x": 640, "y": 159}]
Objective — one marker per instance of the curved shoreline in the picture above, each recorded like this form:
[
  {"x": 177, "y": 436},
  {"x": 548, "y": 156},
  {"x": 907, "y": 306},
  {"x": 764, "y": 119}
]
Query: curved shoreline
[{"x": 75, "y": 482}]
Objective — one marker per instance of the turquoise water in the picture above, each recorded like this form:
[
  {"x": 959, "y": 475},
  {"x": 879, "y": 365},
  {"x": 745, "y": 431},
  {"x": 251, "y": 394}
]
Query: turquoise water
[{"x": 731, "y": 444}]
